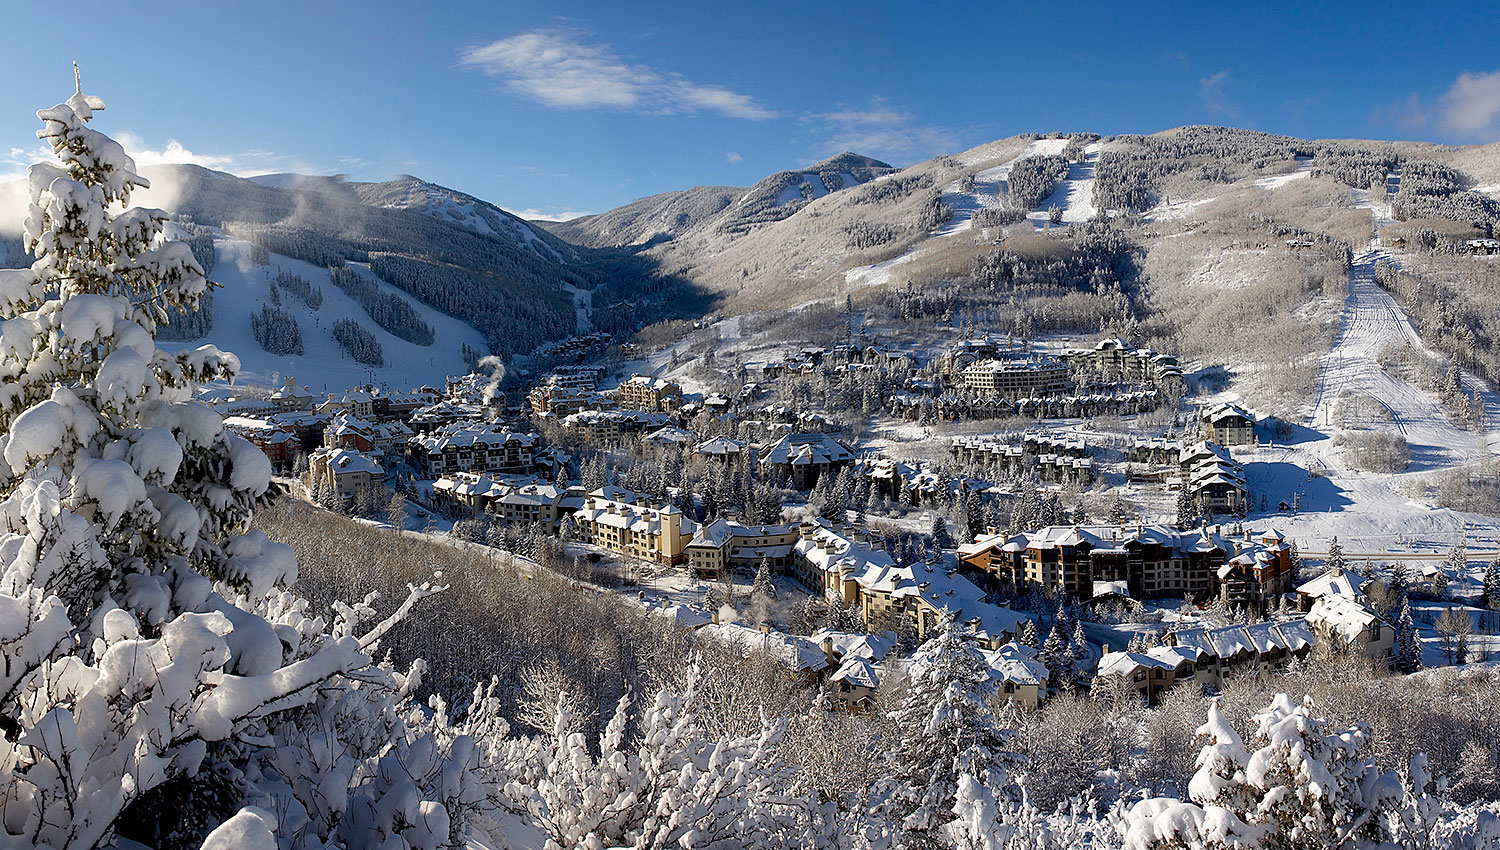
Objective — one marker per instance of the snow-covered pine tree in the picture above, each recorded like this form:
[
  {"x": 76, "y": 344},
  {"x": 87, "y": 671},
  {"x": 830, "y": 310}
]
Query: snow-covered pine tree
[
  {"x": 1335, "y": 559},
  {"x": 1187, "y": 510},
  {"x": 1220, "y": 778},
  {"x": 946, "y": 730},
  {"x": 1078, "y": 649},
  {"x": 1400, "y": 581},
  {"x": 1028, "y": 635},
  {"x": 137, "y": 603},
  {"x": 1117, "y": 512},
  {"x": 1306, "y": 785},
  {"x": 1492, "y": 584},
  {"x": 763, "y": 587},
  {"x": 1056, "y": 656},
  {"x": 1456, "y": 563},
  {"x": 1408, "y": 647}
]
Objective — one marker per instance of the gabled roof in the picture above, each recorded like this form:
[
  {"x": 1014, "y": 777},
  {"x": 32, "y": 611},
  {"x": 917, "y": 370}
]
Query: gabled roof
[
  {"x": 817, "y": 449},
  {"x": 1341, "y": 615},
  {"x": 1336, "y": 583},
  {"x": 857, "y": 671}
]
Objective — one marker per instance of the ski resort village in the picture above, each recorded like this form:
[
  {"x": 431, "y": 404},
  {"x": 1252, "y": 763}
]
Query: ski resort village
[{"x": 969, "y": 488}]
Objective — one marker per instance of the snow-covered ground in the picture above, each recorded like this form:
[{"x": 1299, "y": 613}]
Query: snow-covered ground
[
  {"x": 322, "y": 366},
  {"x": 1074, "y": 195},
  {"x": 1374, "y": 512}
]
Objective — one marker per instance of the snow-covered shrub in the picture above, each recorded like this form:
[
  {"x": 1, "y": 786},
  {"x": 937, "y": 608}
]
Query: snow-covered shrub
[{"x": 669, "y": 785}]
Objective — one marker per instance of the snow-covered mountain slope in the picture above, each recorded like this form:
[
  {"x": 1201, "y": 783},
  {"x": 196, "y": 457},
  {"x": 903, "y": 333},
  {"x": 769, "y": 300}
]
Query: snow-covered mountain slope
[
  {"x": 728, "y": 209},
  {"x": 322, "y": 365},
  {"x": 669, "y": 214},
  {"x": 454, "y": 207},
  {"x": 449, "y": 250}
]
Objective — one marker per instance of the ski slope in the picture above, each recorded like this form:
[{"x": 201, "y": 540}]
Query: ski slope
[
  {"x": 1074, "y": 194},
  {"x": 323, "y": 365},
  {"x": 1368, "y": 511},
  {"x": 991, "y": 187}
]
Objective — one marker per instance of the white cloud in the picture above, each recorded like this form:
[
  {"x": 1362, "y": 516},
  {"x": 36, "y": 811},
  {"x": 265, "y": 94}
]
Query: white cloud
[
  {"x": 14, "y": 163},
  {"x": 733, "y": 158},
  {"x": 242, "y": 164},
  {"x": 1216, "y": 98},
  {"x": 547, "y": 215},
  {"x": 1471, "y": 106},
  {"x": 557, "y": 69},
  {"x": 884, "y": 131}
]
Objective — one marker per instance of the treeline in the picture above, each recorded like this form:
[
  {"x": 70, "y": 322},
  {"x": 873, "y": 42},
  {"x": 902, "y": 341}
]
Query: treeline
[
  {"x": 276, "y": 331},
  {"x": 998, "y": 216},
  {"x": 202, "y": 246},
  {"x": 866, "y": 234},
  {"x": 514, "y": 318},
  {"x": 358, "y": 343},
  {"x": 1433, "y": 190},
  {"x": 892, "y": 189},
  {"x": 194, "y": 324},
  {"x": 1076, "y": 143},
  {"x": 389, "y": 310},
  {"x": 1362, "y": 168},
  {"x": 298, "y": 286},
  {"x": 1130, "y": 179},
  {"x": 1033, "y": 178},
  {"x": 934, "y": 212},
  {"x": 1097, "y": 259}
]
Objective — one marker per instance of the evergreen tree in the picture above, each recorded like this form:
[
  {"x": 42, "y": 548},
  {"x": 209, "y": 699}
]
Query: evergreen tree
[
  {"x": 137, "y": 645},
  {"x": 1187, "y": 510},
  {"x": 1400, "y": 583},
  {"x": 1457, "y": 563},
  {"x": 945, "y": 729},
  {"x": 1492, "y": 584},
  {"x": 1056, "y": 656},
  {"x": 763, "y": 587},
  {"x": 1117, "y": 513},
  {"x": 1408, "y": 647},
  {"x": 1078, "y": 647},
  {"x": 1335, "y": 559},
  {"x": 1028, "y": 635},
  {"x": 939, "y": 533}
]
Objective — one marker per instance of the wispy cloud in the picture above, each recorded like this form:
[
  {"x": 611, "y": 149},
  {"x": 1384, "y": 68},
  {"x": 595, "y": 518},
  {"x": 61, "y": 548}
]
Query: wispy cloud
[
  {"x": 1471, "y": 106},
  {"x": 547, "y": 215},
  {"x": 559, "y": 69},
  {"x": 14, "y": 163},
  {"x": 733, "y": 158},
  {"x": 1214, "y": 90},
  {"x": 882, "y": 130},
  {"x": 1409, "y": 114}
]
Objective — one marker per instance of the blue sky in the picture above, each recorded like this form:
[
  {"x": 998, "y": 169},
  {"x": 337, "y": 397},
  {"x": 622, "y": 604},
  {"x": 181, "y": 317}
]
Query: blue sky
[{"x": 580, "y": 107}]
